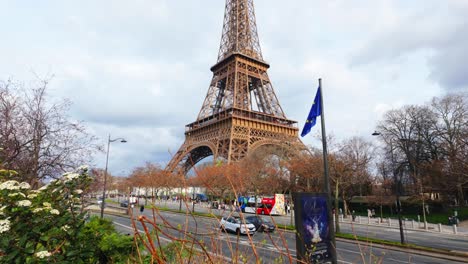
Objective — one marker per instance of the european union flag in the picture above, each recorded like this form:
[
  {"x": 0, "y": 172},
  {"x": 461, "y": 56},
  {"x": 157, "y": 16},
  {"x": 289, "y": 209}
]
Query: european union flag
[{"x": 315, "y": 111}]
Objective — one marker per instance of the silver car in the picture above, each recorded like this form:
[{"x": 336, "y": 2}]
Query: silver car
[{"x": 234, "y": 224}]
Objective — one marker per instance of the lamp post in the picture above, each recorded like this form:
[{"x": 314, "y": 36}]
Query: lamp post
[
  {"x": 109, "y": 140},
  {"x": 397, "y": 192}
]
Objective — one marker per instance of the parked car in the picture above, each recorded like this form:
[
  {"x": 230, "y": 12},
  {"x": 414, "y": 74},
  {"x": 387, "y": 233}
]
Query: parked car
[
  {"x": 124, "y": 203},
  {"x": 234, "y": 224},
  {"x": 262, "y": 224}
]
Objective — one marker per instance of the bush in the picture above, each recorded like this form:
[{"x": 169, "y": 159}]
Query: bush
[
  {"x": 47, "y": 225},
  {"x": 109, "y": 246}
]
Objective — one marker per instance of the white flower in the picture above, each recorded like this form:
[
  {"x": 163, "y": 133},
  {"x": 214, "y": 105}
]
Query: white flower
[
  {"x": 46, "y": 204},
  {"x": 1, "y": 210},
  {"x": 37, "y": 210},
  {"x": 55, "y": 212},
  {"x": 16, "y": 194},
  {"x": 83, "y": 168},
  {"x": 32, "y": 195},
  {"x": 65, "y": 228},
  {"x": 79, "y": 191},
  {"x": 43, "y": 187},
  {"x": 24, "y": 203},
  {"x": 24, "y": 185},
  {"x": 43, "y": 254},
  {"x": 4, "y": 226},
  {"x": 10, "y": 185},
  {"x": 70, "y": 176}
]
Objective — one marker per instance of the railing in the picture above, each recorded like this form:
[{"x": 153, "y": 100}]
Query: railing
[{"x": 408, "y": 224}]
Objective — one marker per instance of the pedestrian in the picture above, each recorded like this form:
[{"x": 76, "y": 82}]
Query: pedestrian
[
  {"x": 353, "y": 215},
  {"x": 373, "y": 212},
  {"x": 142, "y": 208},
  {"x": 369, "y": 212}
]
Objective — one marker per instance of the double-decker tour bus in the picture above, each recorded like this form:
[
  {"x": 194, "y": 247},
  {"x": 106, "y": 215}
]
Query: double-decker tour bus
[
  {"x": 247, "y": 204},
  {"x": 272, "y": 205}
]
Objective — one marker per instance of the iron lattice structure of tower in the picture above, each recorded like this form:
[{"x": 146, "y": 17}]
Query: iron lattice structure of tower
[{"x": 241, "y": 111}]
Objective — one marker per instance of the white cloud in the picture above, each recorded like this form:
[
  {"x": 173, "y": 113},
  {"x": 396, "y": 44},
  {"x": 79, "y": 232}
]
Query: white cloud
[{"x": 140, "y": 69}]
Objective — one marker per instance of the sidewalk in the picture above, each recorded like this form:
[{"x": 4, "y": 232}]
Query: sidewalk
[
  {"x": 463, "y": 224},
  {"x": 108, "y": 209},
  {"x": 409, "y": 225}
]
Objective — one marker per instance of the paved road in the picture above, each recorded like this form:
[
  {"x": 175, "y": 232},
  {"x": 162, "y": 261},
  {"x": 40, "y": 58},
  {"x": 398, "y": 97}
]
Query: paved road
[
  {"x": 431, "y": 239},
  {"x": 269, "y": 247},
  {"x": 288, "y": 220}
]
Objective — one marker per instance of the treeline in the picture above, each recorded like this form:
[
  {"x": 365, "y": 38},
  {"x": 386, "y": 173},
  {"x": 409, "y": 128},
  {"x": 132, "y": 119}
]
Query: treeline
[
  {"x": 425, "y": 148},
  {"x": 422, "y": 149}
]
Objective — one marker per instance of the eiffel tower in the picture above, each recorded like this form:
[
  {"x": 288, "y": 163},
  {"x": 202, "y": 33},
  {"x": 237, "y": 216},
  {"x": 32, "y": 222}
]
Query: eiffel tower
[{"x": 241, "y": 112}]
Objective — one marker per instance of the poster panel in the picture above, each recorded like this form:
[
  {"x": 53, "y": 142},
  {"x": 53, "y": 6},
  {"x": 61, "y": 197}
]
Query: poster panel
[{"x": 313, "y": 243}]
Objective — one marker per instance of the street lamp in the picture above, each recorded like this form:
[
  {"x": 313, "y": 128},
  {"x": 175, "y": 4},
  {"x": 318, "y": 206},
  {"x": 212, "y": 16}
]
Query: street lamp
[
  {"x": 109, "y": 140},
  {"x": 397, "y": 191}
]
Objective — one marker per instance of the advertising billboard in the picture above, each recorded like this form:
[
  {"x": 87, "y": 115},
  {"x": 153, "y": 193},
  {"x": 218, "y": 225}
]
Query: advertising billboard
[{"x": 313, "y": 243}]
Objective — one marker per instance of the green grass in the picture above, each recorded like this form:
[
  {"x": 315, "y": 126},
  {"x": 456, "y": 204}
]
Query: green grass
[
  {"x": 385, "y": 242},
  {"x": 434, "y": 218},
  {"x": 192, "y": 213}
]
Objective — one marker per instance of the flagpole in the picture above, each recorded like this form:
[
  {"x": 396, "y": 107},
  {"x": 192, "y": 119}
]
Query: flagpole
[{"x": 326, "y": 176}]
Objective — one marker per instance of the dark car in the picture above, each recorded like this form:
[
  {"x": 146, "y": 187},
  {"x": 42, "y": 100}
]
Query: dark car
[
  {"x": 262, "y": 224},
  {"x": 124, "y": 204}
]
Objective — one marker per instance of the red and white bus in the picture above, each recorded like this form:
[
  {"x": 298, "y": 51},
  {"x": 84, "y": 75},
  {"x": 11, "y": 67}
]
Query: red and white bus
[
  {"x": 272, "y": 205},
  {"x": 269, "y": 205}
]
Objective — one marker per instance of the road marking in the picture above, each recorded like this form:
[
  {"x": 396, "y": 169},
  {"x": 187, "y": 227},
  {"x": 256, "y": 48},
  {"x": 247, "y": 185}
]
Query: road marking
[
  {"x": 398, "y": 231},
  {"x": 257, "y": 244}
]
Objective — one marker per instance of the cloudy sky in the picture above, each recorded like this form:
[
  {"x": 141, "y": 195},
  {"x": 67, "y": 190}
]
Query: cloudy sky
[{"x": 140, "y": 69}]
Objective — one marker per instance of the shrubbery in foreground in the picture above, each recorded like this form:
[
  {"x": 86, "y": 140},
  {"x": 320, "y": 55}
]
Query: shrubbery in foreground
[{"x": 48, "y": 225}]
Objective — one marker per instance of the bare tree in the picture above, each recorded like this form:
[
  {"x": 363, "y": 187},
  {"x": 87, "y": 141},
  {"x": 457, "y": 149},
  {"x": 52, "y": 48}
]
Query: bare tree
[
  {"x": 213, "y": 178},
  {"x": 356, "y": 155},
  {"x": 306, "y": 169},
  {"x": 410, "y": 137},
  {"x": 428, "y": 146},
  {"x": 39, "y": 139},
  {"x": 452, "y": 131}
]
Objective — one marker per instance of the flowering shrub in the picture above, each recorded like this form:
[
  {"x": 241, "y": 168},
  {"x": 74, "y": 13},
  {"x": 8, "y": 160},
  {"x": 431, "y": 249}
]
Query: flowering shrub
[{"x": 45, "y": 225}]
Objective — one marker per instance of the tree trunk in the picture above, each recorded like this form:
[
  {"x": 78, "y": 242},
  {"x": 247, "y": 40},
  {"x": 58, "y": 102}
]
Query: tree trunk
[
  {"x": 345, "y": 205},
  {"x": 460, "y": 194},
  {"x": 337, "y": 206}
]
